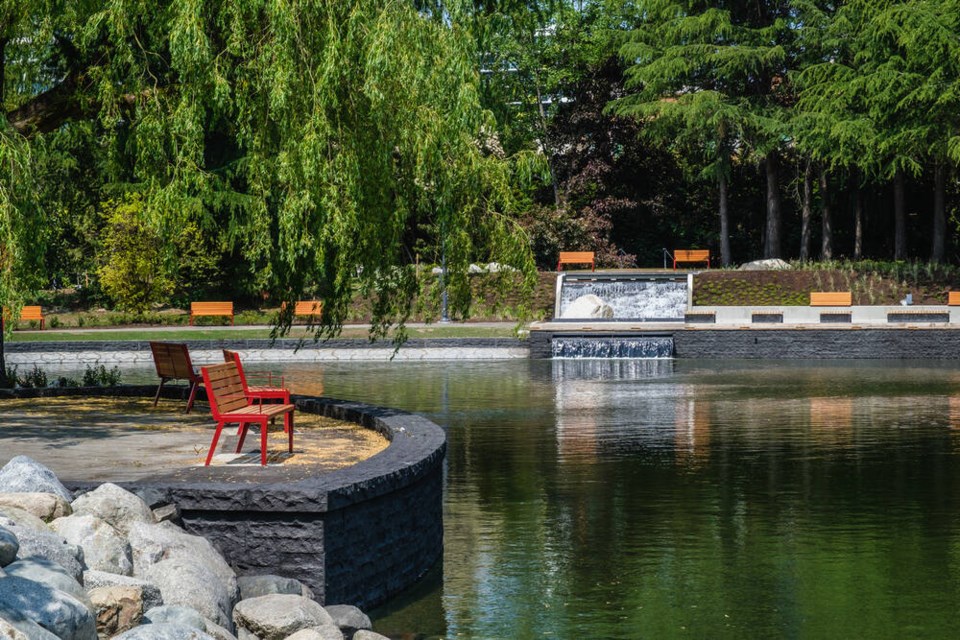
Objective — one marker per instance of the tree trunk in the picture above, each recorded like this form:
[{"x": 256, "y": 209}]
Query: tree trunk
[
  {"x": 4, "y": 382},
  {"x": 826, "y": 249},
  {"x": 806, "y": 212},
  {"x": 771, "y": 247},
  {"x": 3, "y": 70},
  {"x": 899, "y": 217},
  {"x": 857, "y": 219},
  {"x": 939, "y": 213},
  {"x": 724, "y": 224}
]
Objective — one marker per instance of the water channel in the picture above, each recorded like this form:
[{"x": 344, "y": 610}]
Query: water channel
[{"x": 682, "y": 499}]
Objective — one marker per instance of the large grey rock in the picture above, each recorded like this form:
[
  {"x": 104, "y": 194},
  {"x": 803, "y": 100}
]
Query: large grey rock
[
  {"x": 771, "y": 264},
  {"x": 588, "y": 306},
  {"x": 368, "y": 635},
  {"x": 25, "y": 475},
  {"x": 9, "y": 545},
  {"x": 277, "y": 616},
  {"x": 218, "y": 632},
  {"x": 51, "y": 574},
  {"x": 325, "y": 632},
  {"x": 348, "y": 617},
  {"x": 164, "y": 631},
  {"x": 115, "y": 505},
  {"x": 104, "y": 549},
  {"x": 23, "y": 518},
  {"x": 154, "y": 543},
  {"x": 118, "y": 609},
  {"x": 190, "y": 584},
  {"x": 57, "y": 612},
  {"x": 46, "y": 544},
  {"x": 13, "y": 626},
  {"x": 256, "y": 586},
  {"x": 46, "y": 506},
  {"x": 150, "y": 592},
  {"x": 175, "y": 614}
]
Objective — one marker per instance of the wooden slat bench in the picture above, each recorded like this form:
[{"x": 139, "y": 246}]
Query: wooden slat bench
[
  {"x": 211, "y": 309},
  {"x": 308, "y": 308},
  {"x": 576, "y": 257},
  {"x": 172, "y": 361},
  {"x": 33, "y": 313},
  {"x": 691, "y": 256},
  {"x": 831, "y": 299},
  {"x": 230, "y": 405},
  {"x": 953, "y": 298}
]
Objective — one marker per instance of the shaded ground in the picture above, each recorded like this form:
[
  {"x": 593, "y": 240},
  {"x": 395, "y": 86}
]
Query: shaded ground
[{"x": 124, "y": 439}]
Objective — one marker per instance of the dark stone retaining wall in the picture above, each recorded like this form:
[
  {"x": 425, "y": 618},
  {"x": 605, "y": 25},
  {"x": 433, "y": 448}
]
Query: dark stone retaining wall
[
  {"x": 355, "y": 536},
  {"x": 820, "y": 343},
  {"x": 935, "y": 343}
]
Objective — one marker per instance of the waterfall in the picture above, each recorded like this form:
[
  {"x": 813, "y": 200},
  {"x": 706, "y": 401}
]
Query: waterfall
[
  {"x": 631, "y": 298},
  {"x": 637, "y": 346}
]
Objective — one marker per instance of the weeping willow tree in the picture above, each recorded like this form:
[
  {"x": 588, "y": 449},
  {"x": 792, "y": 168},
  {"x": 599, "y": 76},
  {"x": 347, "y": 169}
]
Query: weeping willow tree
[{"x": 332, "y": 143}]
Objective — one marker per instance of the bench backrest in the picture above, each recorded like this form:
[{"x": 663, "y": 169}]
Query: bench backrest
[
  {"x": 233, "y": 356},
  {"x": 576, "y": 257},
  {"x": 691, "y": 255},
  {"x": 211, "y": 308},
  {"x": 953, "y": 298},
  {"x": 173, "y": 361},
  {"x": 224, "y": 388},
  {"x": 31, "y": 313},
  {"x": 308, "y": 308},
  {"x": 831, "y": 299}
]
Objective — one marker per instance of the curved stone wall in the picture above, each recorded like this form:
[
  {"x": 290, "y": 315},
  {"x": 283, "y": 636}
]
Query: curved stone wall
[{"x": 355, "y": 536}]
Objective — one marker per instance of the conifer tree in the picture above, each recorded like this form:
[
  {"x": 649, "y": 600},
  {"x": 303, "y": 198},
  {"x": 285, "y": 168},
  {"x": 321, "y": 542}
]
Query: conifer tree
[{"x": 717, "y": 72}]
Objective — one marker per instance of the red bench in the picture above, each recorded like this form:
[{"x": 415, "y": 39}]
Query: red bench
[{"x": 229, "y": 404}]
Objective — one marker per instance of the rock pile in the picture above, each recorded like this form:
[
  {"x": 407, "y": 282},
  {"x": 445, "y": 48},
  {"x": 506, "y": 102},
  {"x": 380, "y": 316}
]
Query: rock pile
[{"x": 104, "y": 565}]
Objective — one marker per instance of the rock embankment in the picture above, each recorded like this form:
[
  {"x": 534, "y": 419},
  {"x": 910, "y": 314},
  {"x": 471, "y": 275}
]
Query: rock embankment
[{"x": 105, "y": 565}]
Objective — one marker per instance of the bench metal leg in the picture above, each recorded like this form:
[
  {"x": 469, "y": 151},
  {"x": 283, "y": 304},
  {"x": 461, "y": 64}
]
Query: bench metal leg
[
  {"x": 193, "y": 395},
  {"x": 263, "y": 443},
  {"x": 156, "y": 398},
  {"x": 213, "y": 445}
]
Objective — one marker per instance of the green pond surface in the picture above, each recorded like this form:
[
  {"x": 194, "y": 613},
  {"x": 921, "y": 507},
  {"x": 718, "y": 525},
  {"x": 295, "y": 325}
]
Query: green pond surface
[{"x": 682, "y": 499}]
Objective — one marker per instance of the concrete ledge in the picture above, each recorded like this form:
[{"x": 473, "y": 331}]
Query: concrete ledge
[
  {"x": 355, "y": 536},
  {"x": 134, "y": 352}
]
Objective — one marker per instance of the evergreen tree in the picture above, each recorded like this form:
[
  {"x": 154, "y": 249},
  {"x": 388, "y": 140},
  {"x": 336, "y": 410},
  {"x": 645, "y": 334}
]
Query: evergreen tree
[{"x": 716, "y": 72}]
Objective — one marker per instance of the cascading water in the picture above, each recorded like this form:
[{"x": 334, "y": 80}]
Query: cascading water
[
  {"x": 612, "y": 347},
  {"x": 631, "y": 299},
  {"x": 612, "y": 297}
]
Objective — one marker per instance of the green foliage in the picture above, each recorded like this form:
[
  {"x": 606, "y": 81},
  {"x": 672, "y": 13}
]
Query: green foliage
[
  {"x": 133, "y": 273},
  {"x": 99, "y": 376},
  {"x": 35, "y": 378}
]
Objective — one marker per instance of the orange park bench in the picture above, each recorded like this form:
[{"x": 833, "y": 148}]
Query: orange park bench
[
  {"x": 953, "y": 298},
  {"x": 831, "y": 299},
  {"x": 309, "y": 308},
  {"x": 173, "y": 363},
  {"x": 576, "y": 257},
  {"x": 34, "y": 313},
  {"x": 691, "y": 256},
  {"x": 261, "y": 392},
  {"x": 229, "y": 404},
  {"x": 211, "y": 309}
]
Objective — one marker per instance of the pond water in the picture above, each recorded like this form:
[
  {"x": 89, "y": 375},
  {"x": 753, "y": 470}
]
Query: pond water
[{"x": 682, "y": 499}]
